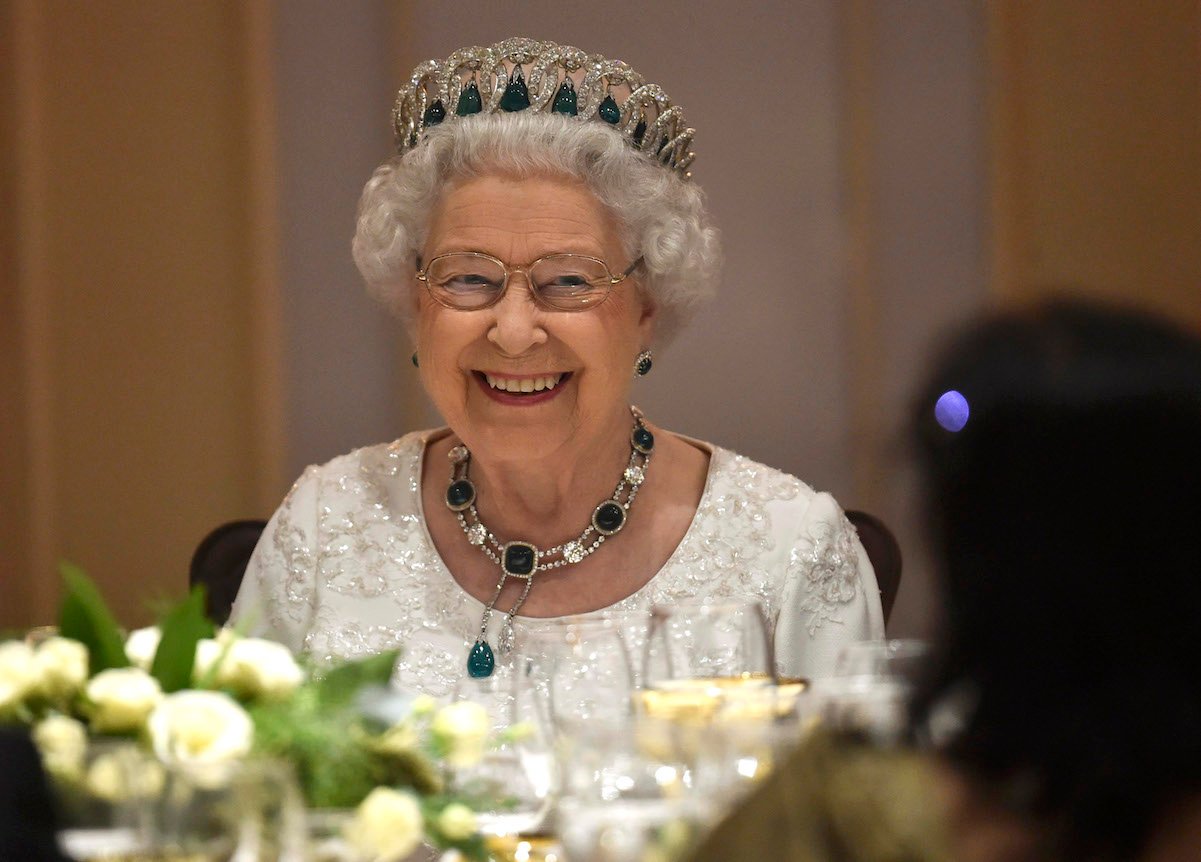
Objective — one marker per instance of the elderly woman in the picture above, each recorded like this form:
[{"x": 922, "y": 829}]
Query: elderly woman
[{"x": 539, "y": 234}]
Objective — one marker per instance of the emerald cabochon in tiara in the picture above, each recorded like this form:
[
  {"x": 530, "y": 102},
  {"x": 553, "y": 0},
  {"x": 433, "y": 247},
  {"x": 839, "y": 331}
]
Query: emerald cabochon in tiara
[{"x": 528, "y": 75}]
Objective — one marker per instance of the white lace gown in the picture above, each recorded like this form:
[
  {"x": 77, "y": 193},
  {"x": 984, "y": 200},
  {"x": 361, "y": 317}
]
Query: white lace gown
[{"x": 346, "y": 567}]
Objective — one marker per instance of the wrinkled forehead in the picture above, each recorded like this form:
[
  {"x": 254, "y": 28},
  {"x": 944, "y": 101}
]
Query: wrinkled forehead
[{"x": 509, "y": 215}]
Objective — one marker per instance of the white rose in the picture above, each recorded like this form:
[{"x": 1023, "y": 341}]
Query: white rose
[
  {"x": 18, "y": 674},
  {"x": 462, "y": 728},
  {"x": 62, "y": 742},
  {"x": 209, "y": 650},
  {"x": 62, "y": 666},
  {"x": 387, "y": 825},
  {"x": 106, "y": 778},
  {"x": 260, "y": 668},
  {"x": 141, "y": 645},
  {"x": 200, "y": 727},
  {"x": 457, "y": 822},
  {"x": 125, "y": 773},
  {"x": 122, "y": 698},
  {"x": 207, "y": 653}
]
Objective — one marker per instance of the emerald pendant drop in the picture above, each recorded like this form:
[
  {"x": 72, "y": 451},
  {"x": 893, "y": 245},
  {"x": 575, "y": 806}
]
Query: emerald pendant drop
[
  {"x": 609, "y": 112},
  {"x": 434, "y": 114},
  {"x": 565, "y": 99},
  {"x": 517, "y": 95},
  {"x": 480, "y": 661},
  {"x": 469, "y": 101}
]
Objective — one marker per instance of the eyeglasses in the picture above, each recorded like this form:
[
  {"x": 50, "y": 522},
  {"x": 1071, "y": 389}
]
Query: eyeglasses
[{"x": 471, "y": 280}]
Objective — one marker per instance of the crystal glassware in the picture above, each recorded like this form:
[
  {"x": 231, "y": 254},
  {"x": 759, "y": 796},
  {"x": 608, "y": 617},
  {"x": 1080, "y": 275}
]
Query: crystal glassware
[
  {"x": 580, "y": 669},
  {"x": 511, "y": 786},
  {"x": 870, "y": 687},
  {"x": 238, "y": 810},
  {"x": 700, "y": 654},
  {"x": 106, "y": 790},
  {"x": 624, "y": 800}
]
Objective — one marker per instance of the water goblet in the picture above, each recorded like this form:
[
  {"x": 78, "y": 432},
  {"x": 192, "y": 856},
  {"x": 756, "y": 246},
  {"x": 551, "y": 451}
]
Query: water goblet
[
  {"x": 580, "y": 669},
  {"x": 240, "y": 811},
  {"x": 511, "y": 786},
  {"x": 899, "y": 659},
  {"x": 700, "y": 653},
  {"x": 105, "y": 789},
  {"x": 870, "y": 688},
  {"x": 623, "y": 800}
]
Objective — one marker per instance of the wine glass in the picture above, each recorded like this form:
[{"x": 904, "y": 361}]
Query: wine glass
[
  {"x": 870, "y": 687},
  {"x": 625, "y": 801},
  {"x": 512, "y": 786},
  {"x": 238, "y": 810},
  {"x": 894, "y": 659},
  {"x": 580, "y": 668},
  {"x": 699, "y": 654},
  {"x": 105, "y": 790}
]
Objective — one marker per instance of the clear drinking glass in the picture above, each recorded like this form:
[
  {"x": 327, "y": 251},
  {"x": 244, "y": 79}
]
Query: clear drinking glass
[
  {"x": 870, "y": 687},
  {"x": 106, "y": 791},
  {"x": 623, "y": 800},
  {"x": 512, "y": 787},
  {"x": 580, "y": 668},
  {"x": 897, "y": 659},
  {"x": 700, "y": 654},
  {"x": 245, "y": 810}
]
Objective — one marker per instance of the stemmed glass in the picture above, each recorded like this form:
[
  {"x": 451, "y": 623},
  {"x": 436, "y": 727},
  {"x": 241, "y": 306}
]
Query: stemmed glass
[
  {"x": 709, "y": 675},
  {"x": 625, "y": 801},
  {"x": 581, "y": 669},
  {"x": 105, "y": 791},
  {"x": 870, "y": 687},
  {"x": 699, "y": 654},
  {"x": 512, "y": 785},
  {"x": 894, "y": 659},
  {"x": 243, "y": 810}
]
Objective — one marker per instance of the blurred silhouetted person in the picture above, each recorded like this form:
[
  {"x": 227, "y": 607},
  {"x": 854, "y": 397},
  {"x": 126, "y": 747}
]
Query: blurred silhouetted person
[
  {"x": 1063, "y": 474},
  {"x": 1061, "y": 452},
  {"x": 27, "y": 821}
]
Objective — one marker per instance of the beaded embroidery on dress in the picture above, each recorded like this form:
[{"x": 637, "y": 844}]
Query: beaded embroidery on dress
[{"x": 346, "y": 567}]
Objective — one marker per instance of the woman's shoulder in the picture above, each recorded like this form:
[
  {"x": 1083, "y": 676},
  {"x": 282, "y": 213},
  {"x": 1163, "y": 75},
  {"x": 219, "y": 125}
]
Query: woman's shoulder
[
  {"x": 401, "y": 456},
  {"x": 731, "y": 473}
]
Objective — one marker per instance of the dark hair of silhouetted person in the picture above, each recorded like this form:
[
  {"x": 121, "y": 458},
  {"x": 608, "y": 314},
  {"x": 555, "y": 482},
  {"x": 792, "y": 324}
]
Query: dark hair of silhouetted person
[
  {"x": 27, "y": 816},
  {"x": 1066, "y": 521}
]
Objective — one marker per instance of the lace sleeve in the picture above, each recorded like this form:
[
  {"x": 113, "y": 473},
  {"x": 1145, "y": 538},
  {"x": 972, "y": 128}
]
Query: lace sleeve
[
  {"x": 277, "y": 599},
  {"x": 831, "y": 598}
]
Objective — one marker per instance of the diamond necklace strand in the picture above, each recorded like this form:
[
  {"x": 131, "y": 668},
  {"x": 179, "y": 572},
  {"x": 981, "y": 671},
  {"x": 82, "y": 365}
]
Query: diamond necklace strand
[{"x": 524, "y": 560}]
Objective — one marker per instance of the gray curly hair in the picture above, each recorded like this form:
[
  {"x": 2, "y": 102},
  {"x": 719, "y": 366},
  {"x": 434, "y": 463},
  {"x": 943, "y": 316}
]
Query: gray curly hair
[{"x": 662, "y": 216}]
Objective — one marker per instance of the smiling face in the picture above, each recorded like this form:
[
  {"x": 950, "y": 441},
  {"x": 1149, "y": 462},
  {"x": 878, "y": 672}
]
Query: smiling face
[{"x": 515, "y": 380}]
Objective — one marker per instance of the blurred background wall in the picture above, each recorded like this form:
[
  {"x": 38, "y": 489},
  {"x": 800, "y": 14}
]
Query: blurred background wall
[{"x": 182, "y": 328}]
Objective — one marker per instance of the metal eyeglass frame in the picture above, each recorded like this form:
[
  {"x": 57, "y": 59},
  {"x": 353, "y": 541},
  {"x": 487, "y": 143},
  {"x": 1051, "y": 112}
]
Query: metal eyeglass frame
[{"x": 423, "y": 277}]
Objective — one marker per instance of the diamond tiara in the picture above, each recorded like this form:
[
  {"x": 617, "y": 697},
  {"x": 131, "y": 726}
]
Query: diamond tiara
[{"x": 525, "y": 74}]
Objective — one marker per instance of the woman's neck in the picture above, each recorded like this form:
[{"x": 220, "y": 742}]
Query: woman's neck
[{"x": 550, "y": 499}]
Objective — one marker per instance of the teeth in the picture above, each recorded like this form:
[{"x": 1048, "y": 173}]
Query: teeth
[{"x": 527, "y": 384}]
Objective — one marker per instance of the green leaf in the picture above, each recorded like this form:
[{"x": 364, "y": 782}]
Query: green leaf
[
  {"x": 86, "y": 618},
  {"x": 338, "y": 687},
  {"x": 182, "y": 628},
  {"x": 334, "y": 767}
]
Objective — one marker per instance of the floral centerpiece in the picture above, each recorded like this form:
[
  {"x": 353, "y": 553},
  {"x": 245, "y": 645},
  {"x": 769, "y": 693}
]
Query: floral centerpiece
[{"x": 199, "y": 697}]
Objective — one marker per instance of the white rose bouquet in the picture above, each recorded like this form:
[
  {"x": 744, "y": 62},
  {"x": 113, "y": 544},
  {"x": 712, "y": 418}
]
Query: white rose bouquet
[{"x": 201, "y": 698}]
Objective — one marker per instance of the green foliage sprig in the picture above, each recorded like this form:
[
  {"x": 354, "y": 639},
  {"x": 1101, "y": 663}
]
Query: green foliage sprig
[{"x": 313, "y": 720}]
